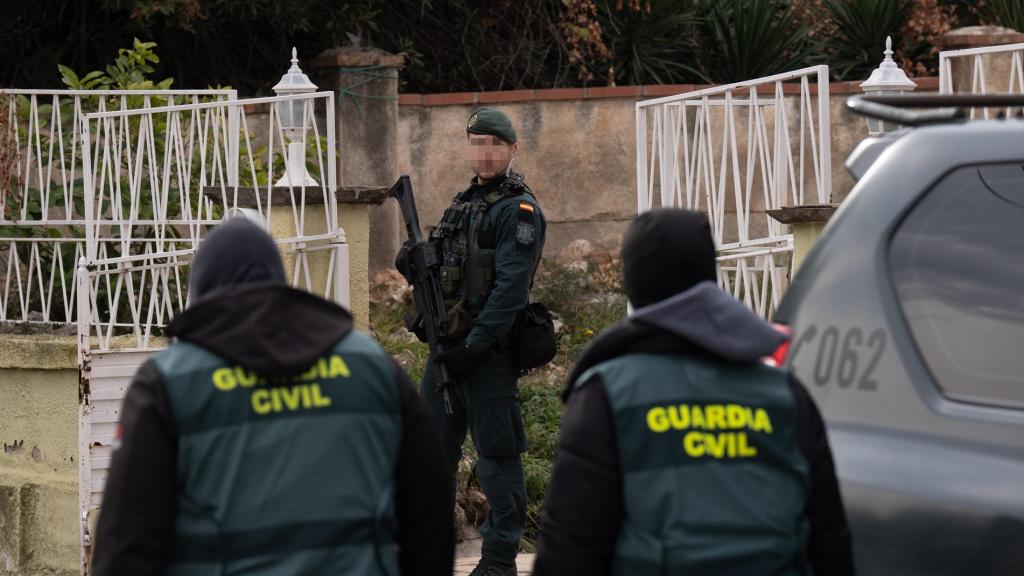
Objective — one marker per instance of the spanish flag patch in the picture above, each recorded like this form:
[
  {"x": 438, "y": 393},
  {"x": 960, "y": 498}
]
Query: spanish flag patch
[{"x": 526, "y": 206}]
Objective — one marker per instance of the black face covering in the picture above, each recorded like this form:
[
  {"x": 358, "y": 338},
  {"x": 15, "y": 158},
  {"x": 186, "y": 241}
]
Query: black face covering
[
  {"x": 666, "y": 252},
  {"x": 236, "y": 252}
]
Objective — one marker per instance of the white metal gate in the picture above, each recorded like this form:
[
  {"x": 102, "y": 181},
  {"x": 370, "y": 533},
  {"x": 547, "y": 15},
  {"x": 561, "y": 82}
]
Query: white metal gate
[
  {"x": 689, "y": 156},
  {"x": 984, "y": 70},
  {"x": 155, "y": 181}
]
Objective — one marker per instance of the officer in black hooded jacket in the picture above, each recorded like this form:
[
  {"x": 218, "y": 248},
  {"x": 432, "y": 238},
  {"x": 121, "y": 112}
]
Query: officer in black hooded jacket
[
  {"x": 271, "y": 438},
  {"x": 681, "y": 452}
]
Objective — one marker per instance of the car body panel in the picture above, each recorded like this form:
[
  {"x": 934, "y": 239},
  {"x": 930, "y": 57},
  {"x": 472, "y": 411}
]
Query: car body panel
[{"x": 927, "y": 480}]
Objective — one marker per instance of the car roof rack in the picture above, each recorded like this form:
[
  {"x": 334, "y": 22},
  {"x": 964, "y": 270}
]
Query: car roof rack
[{"x": 940, "y": 108}]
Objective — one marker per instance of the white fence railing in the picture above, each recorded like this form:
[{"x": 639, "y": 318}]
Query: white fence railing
[
  {"x": 985, "y": 70},
  {"x": 689, "y": 156},
  {"x": 42, "y": 210},
  {"x": 156, "y": 180}
]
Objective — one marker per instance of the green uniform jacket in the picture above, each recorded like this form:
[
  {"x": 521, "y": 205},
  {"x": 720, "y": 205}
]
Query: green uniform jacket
[
  {"x": 345, "y": 415},
  {"x": 713, "y": 480},
  {"x": 681, "y": 452},
  {"x": 496, "y": 247},
  {"x": 272, "y": 438}
]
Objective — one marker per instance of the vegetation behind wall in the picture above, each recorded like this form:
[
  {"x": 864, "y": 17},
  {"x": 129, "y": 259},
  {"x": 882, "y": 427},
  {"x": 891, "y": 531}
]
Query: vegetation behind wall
[{"x": 486, "y": 45}]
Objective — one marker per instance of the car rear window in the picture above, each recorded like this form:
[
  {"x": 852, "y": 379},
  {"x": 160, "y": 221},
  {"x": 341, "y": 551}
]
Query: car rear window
[{"x": 957, "y": 263}]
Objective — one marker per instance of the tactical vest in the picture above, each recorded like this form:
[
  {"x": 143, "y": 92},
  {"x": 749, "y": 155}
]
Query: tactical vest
[
  {"x": 467, "y": 243},
  {"x": 713, "y": 480},
  {"x": 288, "y": 476}
]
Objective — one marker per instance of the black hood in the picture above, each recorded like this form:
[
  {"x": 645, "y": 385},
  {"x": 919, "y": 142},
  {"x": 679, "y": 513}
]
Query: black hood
[
  {"x": 236, "y": 252},
  {"x": 242, "y": 310},
  {"x": 272, "y": 329},
  {"x": 665, "y": 252},
  {"x": 702, "y": 321}
]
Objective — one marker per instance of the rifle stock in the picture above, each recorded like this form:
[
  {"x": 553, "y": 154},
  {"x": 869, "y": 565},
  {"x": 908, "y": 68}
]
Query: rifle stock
[{"x": 427, "y": 294}]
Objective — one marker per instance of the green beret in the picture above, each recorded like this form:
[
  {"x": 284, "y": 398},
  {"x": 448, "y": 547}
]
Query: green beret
[{"x": 493, "y": 122}]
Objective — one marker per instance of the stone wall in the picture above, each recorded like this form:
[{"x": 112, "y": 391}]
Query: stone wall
[{"x": 576, "y": 148}]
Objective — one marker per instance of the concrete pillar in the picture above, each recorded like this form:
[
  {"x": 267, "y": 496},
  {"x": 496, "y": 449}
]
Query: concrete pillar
[
  {"x": 365, "y": 83},
  {"x": 806, "y": 222},
  {"x": 354, "y": 206}
]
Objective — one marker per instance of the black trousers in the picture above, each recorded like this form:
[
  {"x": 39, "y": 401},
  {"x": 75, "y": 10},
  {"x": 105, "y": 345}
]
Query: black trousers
[{"x": 486, "y": 403}]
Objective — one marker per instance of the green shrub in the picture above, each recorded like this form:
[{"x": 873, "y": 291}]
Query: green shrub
[
  {"x": 860, "y": 30},
  {"x": 747, "y": 39},
  {"x": 1009, "y": 13}
]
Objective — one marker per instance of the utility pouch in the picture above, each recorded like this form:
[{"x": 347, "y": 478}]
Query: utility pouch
[
  {"x": 534, "y": 341},
  {"x": 451, "y": 279},
  {"x": 460, "y": 322}
]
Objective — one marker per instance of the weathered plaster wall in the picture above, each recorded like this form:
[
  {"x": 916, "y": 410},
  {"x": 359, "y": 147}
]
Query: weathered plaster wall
[
  {"x": 577, "y": 149},
  {"x": 577, "y": 155},
  {"x": 39, "y": 460},
  {"x": 355, "y": 220}
]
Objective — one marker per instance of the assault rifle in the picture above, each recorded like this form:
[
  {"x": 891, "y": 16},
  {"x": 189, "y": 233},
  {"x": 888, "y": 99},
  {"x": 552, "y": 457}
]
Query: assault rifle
[{"x": 424, "y": 262}]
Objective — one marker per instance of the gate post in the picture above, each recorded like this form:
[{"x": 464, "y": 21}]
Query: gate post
[{"x": 365, "y": 83}]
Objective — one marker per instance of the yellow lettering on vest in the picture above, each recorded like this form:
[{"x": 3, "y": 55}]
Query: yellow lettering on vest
[
  {"x": 309, "y": 374},
  {"x": 656, "y": 420},
  {"x": 679, "y": 416},
  {"x": 730, "y": 448},
  {"x": 761, "y": 421},
  {"x": 745, "y": 450},
  {"x": 321, "y": 366},
  {"x": 275, "y": 399},
  {"x": 697, "y": 417},
  {"x": 291, "y": 397},
  {"x": 339, "y": 368},
  {"x": 693, "y": 445},
  {"x": 715, "y": 444},
  {"x": 307, "y": 400},
  {"x": 319, "y": 400},
  {"x": 736, "y": 415},
  {"x": 261, "y": 401},
  {"x": 715, "y": 417},
  {"x": 245, "y": 378},
  {"x": 224, "y": 379}
]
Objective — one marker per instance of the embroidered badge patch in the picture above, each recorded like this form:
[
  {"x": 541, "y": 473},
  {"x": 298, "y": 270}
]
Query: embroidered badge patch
[
  {"x": 524, "y": 233},
  {"x": 472, "y": 120}
]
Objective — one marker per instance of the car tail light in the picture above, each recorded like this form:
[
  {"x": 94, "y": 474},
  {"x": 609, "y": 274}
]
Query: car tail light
[{"x": 778, "y": 358}]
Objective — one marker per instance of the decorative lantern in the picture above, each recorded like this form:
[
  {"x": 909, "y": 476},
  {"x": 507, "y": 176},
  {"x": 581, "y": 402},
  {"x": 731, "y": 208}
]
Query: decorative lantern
[
  {"x": 292, "y": 116},
  {"x": 886, "y": 79}
]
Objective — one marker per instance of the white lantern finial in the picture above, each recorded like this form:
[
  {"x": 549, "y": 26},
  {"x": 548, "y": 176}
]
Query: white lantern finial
[
  {"x": 886, "y": 79},
  {"x": 293, "y": 116}
]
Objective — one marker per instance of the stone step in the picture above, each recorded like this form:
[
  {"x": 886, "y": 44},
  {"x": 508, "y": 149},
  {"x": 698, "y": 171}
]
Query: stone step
[{"x": 463, "y": 566}]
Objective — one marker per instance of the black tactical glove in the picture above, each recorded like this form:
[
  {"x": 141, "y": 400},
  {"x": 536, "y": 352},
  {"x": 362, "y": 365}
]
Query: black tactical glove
[
  {"x": 414, "y": 324},
  {"x": 463, "y": 358}
]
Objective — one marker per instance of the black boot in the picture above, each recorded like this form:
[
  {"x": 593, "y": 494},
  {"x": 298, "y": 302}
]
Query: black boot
[{"x": 493, "y": 568}]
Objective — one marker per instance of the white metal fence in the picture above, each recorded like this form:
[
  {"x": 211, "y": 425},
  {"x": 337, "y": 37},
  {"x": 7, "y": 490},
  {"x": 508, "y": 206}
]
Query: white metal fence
[
  {"x": 154, "y": 182},
  {"x": 42, "y": 210},
  {"x": 985, "y": 70},
  {"x": 735, "y": 151}
]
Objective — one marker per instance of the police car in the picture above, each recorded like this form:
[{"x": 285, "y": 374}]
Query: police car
[{"x": 907, "y": 324}]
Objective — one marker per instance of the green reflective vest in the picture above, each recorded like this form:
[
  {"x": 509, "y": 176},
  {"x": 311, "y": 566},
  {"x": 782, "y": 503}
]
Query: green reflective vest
[
  {"x": 290, "y": 476},
  {"x": 713, "y": 480}
]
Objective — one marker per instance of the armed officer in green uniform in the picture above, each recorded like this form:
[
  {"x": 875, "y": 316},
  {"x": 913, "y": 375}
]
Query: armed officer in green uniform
[{"x": 491, "y": 240}]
